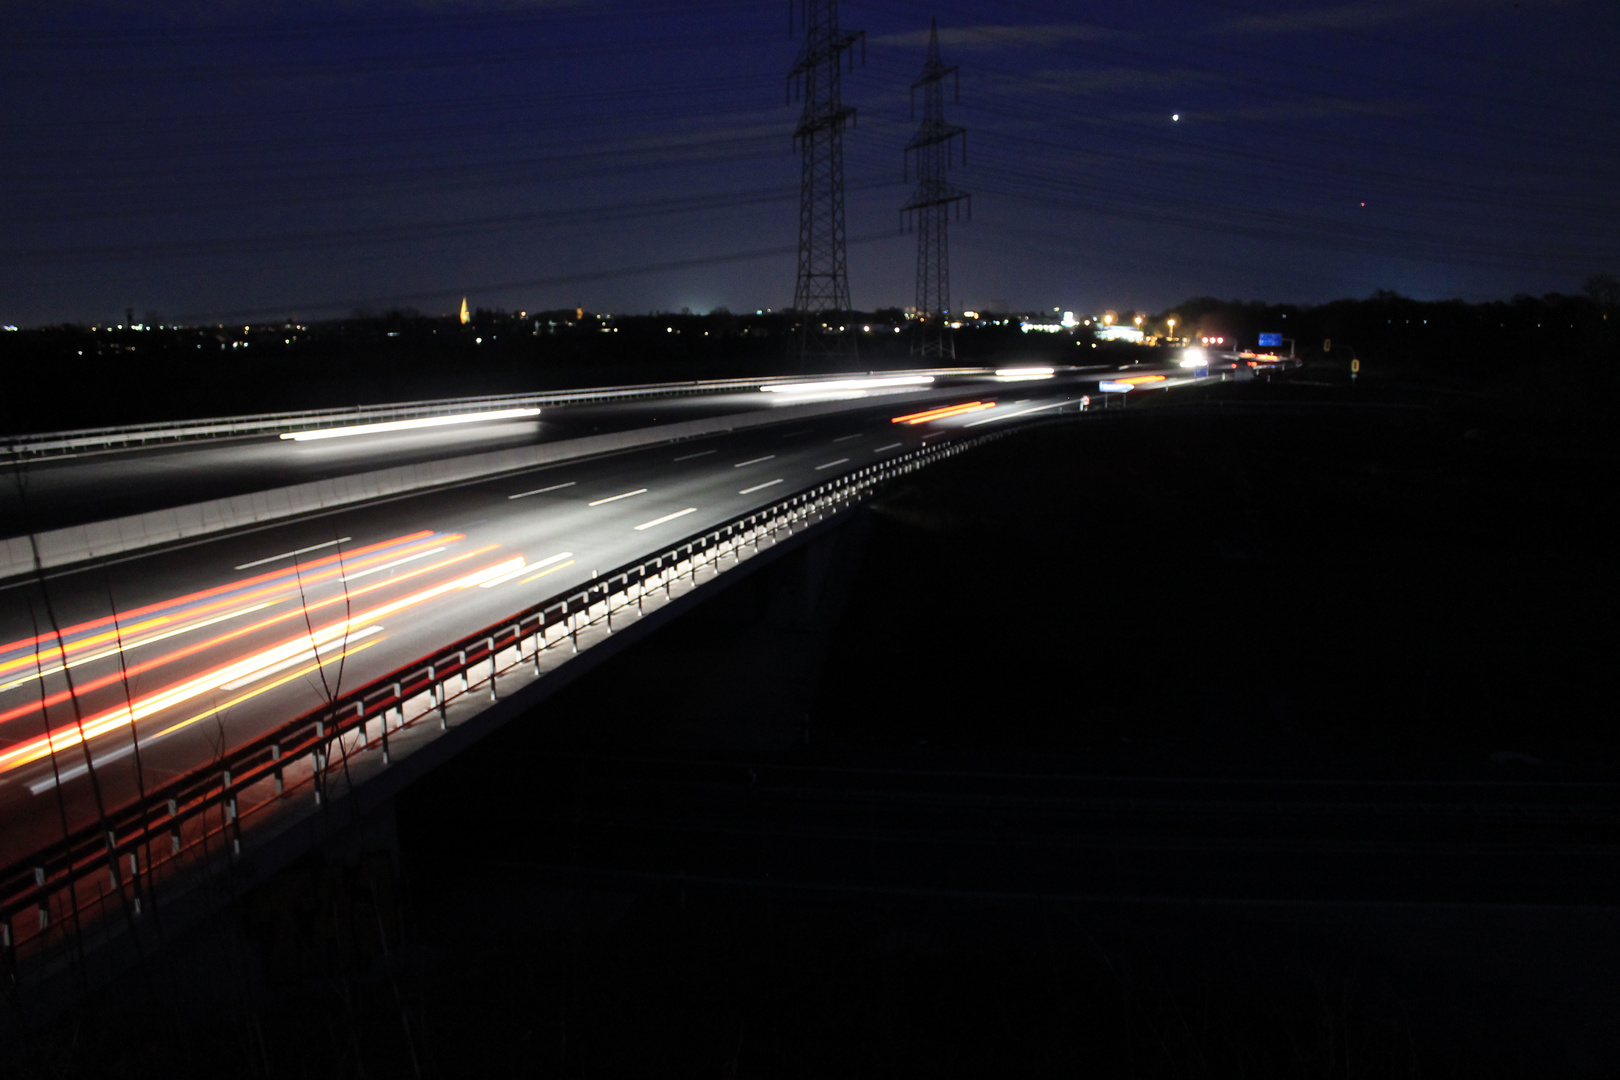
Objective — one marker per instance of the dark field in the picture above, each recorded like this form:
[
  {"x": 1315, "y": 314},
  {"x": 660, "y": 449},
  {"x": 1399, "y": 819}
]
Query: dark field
[{"x": 1259, "y": 738}]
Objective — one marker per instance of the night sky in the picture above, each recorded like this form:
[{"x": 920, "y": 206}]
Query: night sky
[{"x": 233, "y": 161}]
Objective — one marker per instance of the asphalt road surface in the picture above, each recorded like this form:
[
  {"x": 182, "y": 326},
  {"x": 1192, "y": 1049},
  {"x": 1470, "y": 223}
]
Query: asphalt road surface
[{"x": 221, "y": 640}]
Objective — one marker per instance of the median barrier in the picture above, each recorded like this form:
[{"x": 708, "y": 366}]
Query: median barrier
[{"x": 117, "y": 536}]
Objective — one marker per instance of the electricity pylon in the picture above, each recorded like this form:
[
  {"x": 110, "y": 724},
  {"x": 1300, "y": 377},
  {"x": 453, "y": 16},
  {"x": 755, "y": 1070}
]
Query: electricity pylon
[
  {"x": 823, "y": 283},
  {"x": 930, "y": 204}
]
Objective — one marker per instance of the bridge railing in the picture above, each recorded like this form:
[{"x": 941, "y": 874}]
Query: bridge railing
[{"x": 114, "y": 864}]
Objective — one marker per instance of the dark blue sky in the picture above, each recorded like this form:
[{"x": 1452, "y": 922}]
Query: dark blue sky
[{"x": 226, "y": 161}]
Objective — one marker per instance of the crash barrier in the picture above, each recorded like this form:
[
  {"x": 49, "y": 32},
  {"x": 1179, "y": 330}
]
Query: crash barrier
[
  {"x": 63, "y": 443},
  {"x": 111, "y": 868},
  {"x": 116, "y": 536}
]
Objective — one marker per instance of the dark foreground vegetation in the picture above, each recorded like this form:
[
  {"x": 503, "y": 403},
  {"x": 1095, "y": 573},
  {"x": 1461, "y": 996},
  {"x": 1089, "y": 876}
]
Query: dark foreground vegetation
[
  {"x": 75, "y": 376},
  {"x": 1265, "y": 734}
]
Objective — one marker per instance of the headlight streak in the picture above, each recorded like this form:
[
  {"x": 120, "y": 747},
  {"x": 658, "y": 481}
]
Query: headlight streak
[
  {"x": 407, "y": 425},
  {"x": 547, "y": 570},
  {"x": 833, "y": 386},
  {"x": 390, "y": 565},
  {"x": 942, "y": 413},
  {"x": 191, "y": 650},
  {"x": 523, "y": 569},
  {"x": 1020, "y": 412},
  {"x": 71, "y": 735},
  {"x": 312, "y": 654}
]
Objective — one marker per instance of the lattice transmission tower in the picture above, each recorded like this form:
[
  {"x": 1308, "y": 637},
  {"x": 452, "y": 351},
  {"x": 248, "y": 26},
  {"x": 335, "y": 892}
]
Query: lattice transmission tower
[
  {"x": 823, "y": 283},
  {"x": 929, "y": 207}
]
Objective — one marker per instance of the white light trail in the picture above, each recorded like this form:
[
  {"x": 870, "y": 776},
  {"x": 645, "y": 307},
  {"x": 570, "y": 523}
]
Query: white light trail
[
  {"x": 390, "y": 565},
  {"x": 523, "y": 568},
  {"x": 1021, "y": 412},
  {"x": 407, "y": 425},
  {"x": 292, "y": 661},
  {"x": 835, "y": 385}
]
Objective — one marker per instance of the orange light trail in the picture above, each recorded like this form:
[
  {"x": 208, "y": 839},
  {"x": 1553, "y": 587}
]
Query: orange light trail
[
  {"x": 191, "y": 650},
  {"x": 267, "y": 585},
  {"x": 71, "y": 735},
  {"x": 1138, "y": 380},
  {"x": 940, "y": 414}
]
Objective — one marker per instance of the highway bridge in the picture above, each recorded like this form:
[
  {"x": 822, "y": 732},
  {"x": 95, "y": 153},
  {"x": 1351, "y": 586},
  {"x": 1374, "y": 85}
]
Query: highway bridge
[{"x": 222, "y": 639}]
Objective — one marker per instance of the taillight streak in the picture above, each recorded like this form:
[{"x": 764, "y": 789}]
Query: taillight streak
[
  {"x": 71, "y": 735},
  {"x": 257, "y": 587},
  {"x": 192, "y": 650}
]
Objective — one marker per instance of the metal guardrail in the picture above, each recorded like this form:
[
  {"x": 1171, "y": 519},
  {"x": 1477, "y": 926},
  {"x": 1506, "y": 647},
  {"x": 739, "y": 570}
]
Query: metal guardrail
[
  {"x": 135, "y": 435},
  {"x": 62, "y": 443},
  {"x": 110, "y": 864}
]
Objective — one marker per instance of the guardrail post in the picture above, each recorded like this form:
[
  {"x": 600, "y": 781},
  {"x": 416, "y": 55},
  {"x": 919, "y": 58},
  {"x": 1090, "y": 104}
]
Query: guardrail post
[
  {"x": 174, "y": 826},
  {"x": 112, "y": 860},
  {"x": 230, "y": 812},
  {"x": 490, "y": 647},
  {"x": 44, "y": 899},
  {"x": 275, "y": 756},
  {"x": 436, "y": 692}
]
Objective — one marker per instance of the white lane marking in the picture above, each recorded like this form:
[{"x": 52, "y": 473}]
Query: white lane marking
[
  {"x": 846, "y": 438},
  {"x": 547, "y": 570},
  {"x": 390, "y": 565},
  {"x": 666, "y": 517},
  {"x": 525, "y": 568},
  {"x": 891, "y": 446},
  {"x": 1021, "y": 412},
  {"x": 338, "y": 645},
  {"x": 541, "y": 491},
  {"x": 830, "y": 464},
  {"x": 700, "y": 453},
  {"x": 753, "y": 461},
  {"x": 760, "y": 487},
  {"x": 792, "y": 434},
  {"x": 616, "y": 498},
  {"x": 287, "y": 554}
]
